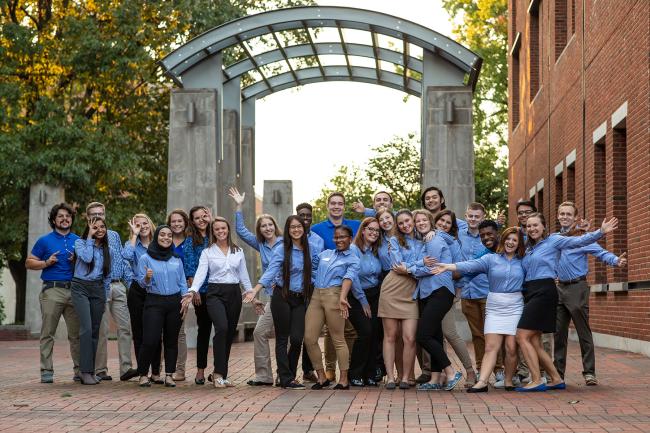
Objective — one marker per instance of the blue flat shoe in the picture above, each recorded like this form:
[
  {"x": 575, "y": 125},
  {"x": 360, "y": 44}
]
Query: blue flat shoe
[
  {"x": 561, "y": 385},
  {"x": 428, "y": 386},
  {"x": 539, "y": 388},
  {"x": 451, "y": 384}
]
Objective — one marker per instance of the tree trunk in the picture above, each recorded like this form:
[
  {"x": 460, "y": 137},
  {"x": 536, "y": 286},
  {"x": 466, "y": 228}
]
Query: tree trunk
[{"x": 19, "y": 274}]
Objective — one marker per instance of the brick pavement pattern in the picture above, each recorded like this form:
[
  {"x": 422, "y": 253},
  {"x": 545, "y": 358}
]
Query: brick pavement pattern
[{"x": 620, "y": 404}]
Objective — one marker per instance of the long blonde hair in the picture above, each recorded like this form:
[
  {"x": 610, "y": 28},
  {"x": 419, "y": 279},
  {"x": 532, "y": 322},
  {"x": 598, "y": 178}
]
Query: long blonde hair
[{"x": 151, "y": 224}]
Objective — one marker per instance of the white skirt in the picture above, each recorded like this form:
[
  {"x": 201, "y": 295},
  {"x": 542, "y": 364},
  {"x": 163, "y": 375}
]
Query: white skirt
[{"x": 502, "y": 313}]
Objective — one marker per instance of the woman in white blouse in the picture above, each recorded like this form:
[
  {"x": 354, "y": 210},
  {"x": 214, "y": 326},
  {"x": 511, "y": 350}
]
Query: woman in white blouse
[{"x": 225, "y": 264}]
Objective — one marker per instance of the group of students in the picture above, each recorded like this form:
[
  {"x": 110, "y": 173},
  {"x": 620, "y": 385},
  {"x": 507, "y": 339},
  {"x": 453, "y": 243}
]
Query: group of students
[{"x": 381, "y": 289}]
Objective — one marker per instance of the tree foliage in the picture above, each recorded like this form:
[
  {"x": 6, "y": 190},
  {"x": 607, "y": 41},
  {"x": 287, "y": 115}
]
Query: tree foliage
[
  {"x": 83, "y": 103},
  {"x": 394, "y": 167},
  {"x": 482, "y": 27}
]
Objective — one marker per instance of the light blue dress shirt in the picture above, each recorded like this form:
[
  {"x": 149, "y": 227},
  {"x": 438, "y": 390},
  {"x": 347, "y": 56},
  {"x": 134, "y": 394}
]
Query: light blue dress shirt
[
  {"x": 456, "y": 252},
  {"x": 273, "y": 273},
  {"x": 331, "y": 267},
  {"x": 385, "y": 257},
  {"x": 264, "y": 248},
  {"x": 438, "y": 249},
  {"x": 504, "y": 275},
  {"x": 87, "y": 252},
  {"x": 132, "y": 254},
  {"x": 168, "y": 276},
  {"x": 369, "y": 273},
  {"x": 120, "y": 269},
  {"x": 409, "y": 254},
  {"x": 541, "y": 259},
  {"x": 573, "y": 262},
  {"x": 316, "y": 243}
]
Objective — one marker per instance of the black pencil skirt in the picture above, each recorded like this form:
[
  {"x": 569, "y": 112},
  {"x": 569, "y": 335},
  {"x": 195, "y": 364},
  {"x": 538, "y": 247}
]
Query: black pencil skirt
[{"x": 540, "y": 305}]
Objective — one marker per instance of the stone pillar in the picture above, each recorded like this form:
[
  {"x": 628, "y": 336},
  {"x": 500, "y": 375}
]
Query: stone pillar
[
  {"x": 247, "y": 178},
  {"x": 229, "y": 166},
  {"x": 447, "y": 145},
  {"x": 41, "y": 199},
  {"x": 193, "y": 141},
  {"x": 278, "y": 199}
]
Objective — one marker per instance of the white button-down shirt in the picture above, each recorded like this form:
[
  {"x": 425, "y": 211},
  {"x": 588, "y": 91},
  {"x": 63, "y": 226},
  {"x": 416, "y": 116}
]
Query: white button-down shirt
[{"x": 222, "y": 268}]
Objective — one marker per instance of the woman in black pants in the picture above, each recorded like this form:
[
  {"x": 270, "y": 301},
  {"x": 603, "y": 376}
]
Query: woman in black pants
[
  {"x": 290, "y": 272},
  {"x": 226, "y": 264},
  {"x": 364, "y": 302},
  {"x": 160, "y": 273},
  {"x": 91, "y": 280}
]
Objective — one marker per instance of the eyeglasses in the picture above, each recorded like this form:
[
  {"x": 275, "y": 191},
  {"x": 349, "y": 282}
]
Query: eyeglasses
[
  {"x": 524, "y": 212},
  {"x": 372, "y": 229},
  {"x": 296, "y": 227}
]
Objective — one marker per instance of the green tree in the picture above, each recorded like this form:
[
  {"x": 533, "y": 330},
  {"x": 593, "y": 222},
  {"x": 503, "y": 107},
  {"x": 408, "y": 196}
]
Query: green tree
[
  {"x": 83, "y": 104},
  {"x": 482, "y": 27},
  {"x": 394, "y": 167}
]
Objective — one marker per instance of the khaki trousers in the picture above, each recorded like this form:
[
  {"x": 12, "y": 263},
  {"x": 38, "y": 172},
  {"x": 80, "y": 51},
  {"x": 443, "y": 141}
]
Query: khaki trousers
[
  {"x": 56, "y": 302},
  {"x": 350, "y": 335},
  {"x": 324, "y": 309},
  {"x": 182, "y": 352},
  {"x": 474, "y": 311},
  {"x": 264, "y": 331},
  {"x": 117, "y": 307}
]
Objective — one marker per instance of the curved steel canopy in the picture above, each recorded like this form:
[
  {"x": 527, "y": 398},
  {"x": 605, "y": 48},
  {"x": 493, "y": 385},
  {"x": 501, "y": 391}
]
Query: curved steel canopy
[{"x": 234, "y": 33}]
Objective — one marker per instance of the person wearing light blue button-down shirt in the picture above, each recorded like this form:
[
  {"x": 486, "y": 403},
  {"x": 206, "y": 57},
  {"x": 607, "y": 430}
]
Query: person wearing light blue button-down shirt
[
  {"x": 505, "y": 303},
  {"x": 288, "y": 275},
  {"x": 435, "y": 294},
  {"x": 89, "y": 287},
  {"x": 160, "y": 273},
  {"x": 266, "y": 239},
  {"x": 333, "y": 272},
  {"x": 540, "y": 294},
  {"x": 573, "y": 294},
  {"x": 364, "y": 303}
]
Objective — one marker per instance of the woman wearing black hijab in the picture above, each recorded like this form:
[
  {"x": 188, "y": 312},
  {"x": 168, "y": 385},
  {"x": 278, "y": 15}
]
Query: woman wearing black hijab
[{"x": 160, "y": 273}]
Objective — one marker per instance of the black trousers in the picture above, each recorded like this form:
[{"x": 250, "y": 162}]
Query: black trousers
[
  {"x": 289, "y": 323},
  {"x": 204, "y": 324},
  {"x": 135, "y": 299},
  {"x": 429, "y": 334},
  {"x": 89, "y": 301},
  {"x": 224, "y": 305},
  {"x": 363, "y": 360},
  {"x": 162, "y": 315}
]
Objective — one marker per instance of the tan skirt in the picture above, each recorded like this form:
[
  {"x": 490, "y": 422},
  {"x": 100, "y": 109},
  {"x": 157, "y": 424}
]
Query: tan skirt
[{"x": 396, "y": 297}]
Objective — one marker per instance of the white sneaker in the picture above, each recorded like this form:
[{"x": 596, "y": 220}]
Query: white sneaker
[
  {"x": 499, "y": 375},
  {"x": 219, "y": 382},
  {"x": 228, "y": 383},
  {"x": 500, "y": 384}
]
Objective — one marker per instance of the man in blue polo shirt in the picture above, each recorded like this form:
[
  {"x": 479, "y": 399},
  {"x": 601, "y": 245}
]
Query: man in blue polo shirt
[
  {"x": 325, "y": 229},
  {"x": 53, "y": 254},
  {"x": 335, "y": 211}
]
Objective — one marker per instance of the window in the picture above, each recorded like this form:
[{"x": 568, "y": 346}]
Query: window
[
  {"x": 534, "y": 48},
  {"x": 539, "y": 202},
  {"x": 619, "y": 196},
  {"x": 559, "y": 184},
  {"x": 514, "y": 81},
  {"x": 573, "y": 16},
  {"x": 600, "y": 206},
  {"x": 561, "y": 27},
  {"x": 571, "y": 182}
]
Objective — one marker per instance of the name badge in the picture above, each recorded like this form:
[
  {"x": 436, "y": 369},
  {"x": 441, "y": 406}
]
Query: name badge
[{"x": 326, "y": 259}]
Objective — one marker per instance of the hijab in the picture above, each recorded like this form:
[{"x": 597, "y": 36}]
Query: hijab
[{"x": 157, "y": 252}]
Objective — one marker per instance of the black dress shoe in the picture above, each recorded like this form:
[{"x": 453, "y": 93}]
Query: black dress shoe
[
  {"x": 339, "y": 386},
  {"x": 509, "y": 388},
  {"x": 103, "y": 376},
  {"x": 130, "y": 374},
  {"x": 357, "y": 382},
  {"x": 423, "y": 378},
  {"x": 319, "y": 385},
  {"x": 259, "y": 383},
  {"x": 199, "y": 381},
  {"x": 475, "y": 390}
]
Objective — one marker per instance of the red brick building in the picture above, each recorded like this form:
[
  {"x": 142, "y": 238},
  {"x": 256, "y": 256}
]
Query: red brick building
[{"x": 579, "y": 129}]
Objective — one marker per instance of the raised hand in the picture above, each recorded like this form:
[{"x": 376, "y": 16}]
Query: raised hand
[
  {"x": 237, "y": 196},
  {"x": 501, "y": 218},
  {"x": 52, "y": 259},
  {"x": 622, "y": 260},
  {"x": 134, "y": 227},
  {"x": 92, "y": 228},
  {"x": 584, "y": 224},
  {"x": 609, "y": 226},
  {"x": 358, "y": 207}
]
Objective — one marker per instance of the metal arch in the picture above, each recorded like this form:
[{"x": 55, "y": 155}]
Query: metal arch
[
  {"x": 215, "y": 40},
  {"x": 331, "y": 73}
]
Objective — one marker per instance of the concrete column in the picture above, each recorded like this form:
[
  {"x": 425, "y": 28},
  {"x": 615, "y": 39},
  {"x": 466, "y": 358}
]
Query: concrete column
[
  {"x": 247, "y": 178},
  {"x": 447, "y": 145},
  {"x": 229, "y": 166},
  {"x": 41, "y": 199},
  {"x": 278, "y": 199},
  {"x": 193, "y": 141}
]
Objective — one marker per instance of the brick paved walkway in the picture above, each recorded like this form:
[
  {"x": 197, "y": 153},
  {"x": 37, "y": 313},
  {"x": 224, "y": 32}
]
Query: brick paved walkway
[{"x": 620, "y": 404}]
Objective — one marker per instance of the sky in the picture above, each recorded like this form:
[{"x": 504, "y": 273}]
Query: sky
[{"x": 304, "y": 134}]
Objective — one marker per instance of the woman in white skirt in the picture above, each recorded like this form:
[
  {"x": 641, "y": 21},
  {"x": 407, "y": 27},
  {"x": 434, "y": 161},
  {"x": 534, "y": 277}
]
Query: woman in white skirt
[{"x": 504, "y": 303}]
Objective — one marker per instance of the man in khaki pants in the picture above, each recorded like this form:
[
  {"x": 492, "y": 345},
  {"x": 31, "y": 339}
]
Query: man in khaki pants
[
  {"x": 53, "y": 254},
  {"x": 115, "y": 306}
]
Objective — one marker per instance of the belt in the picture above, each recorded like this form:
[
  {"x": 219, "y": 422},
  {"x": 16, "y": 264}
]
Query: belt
[
  {"x": 117, "y": 280},
  {"x": 50, "y": 284},
  {"x": 291, "y": 293},
  {"x": 575, "y": 280}
]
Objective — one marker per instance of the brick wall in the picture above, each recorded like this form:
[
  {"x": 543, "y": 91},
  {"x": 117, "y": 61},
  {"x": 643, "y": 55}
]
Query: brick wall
[{"x": 592, "y": 58}]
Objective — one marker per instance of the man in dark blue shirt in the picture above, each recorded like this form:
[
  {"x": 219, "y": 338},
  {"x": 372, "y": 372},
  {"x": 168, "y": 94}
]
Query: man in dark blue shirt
[
  {"x": 335, "y": 211},
  {"x": 53, "y": 254}
]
